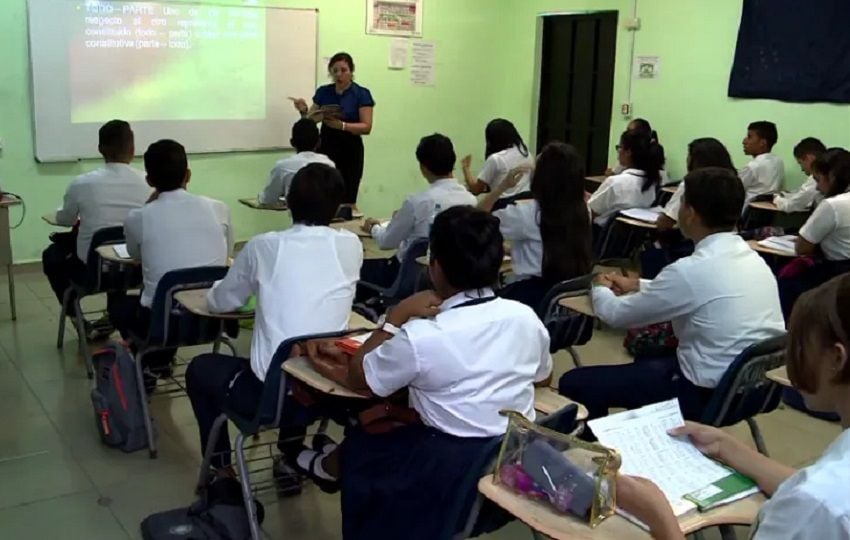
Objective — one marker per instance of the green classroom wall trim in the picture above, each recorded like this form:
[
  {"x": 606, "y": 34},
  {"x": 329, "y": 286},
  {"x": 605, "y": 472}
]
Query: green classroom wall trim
[{"x": 485, "y": 69}]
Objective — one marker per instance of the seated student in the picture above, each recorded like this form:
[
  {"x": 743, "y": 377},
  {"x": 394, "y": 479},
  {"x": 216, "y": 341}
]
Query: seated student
[
  {"x": 765, "y": 172},
  {"x": 174, "y": 230},
  {"x": 641, "y": 126},
  {"x": 720, "y": 300},
  {"x": 98, "y": 199},
  {"x": 305, "y": 140},
  {"x": 549, "y": 235},
  {"x": 828, "y": 228},
  {"x": 505, "y": 151},
  {"x": 436, "y": 157},
  {"x": 445, "y": 346},
  {"x": 804, "y": 198},
  {"x": 635, "y": 187},
  {"x": 812, "y": 503},
  {"x": 304, "y": 279}
]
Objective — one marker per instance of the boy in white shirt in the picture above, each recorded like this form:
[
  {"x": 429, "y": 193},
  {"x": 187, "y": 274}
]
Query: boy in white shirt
[
  {"x": 721, "y": 300},
  {"x": 765, "y": 172},
  {"x": 304, "y": 279},
  {"x": 436, "y": 157},
  {"x": 806, "y": 196},
  {"x": 305, "y": 140},
  {"x": 174, "y": 230},
  {"x": 98, "y": 199}
]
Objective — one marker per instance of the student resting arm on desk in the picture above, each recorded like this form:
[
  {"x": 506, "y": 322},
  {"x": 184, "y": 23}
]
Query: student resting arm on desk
[
  {"x": 828, "y": 228},
  {"x": 813, "y": 503},
  {"x": 807, "y": 196}
]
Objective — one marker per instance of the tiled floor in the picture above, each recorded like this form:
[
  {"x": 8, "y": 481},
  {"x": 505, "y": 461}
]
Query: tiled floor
[{"x": 58, "y": 481}]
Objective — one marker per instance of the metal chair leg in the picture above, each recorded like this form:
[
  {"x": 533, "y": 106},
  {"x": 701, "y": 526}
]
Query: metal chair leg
[
  {"x": 143, "y": 395},
  {"x": 82, "y": 342},
  {"x": 574, "y": 354},
  {"x": 245, "y": 481},
  {"x": 66, "y": 298},
  {"x": 209, "y": 451},
  {"x": 755, "y": 431}
]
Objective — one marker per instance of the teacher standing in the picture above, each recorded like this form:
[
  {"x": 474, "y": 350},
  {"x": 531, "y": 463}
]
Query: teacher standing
[{"x": 342, "y": 134}]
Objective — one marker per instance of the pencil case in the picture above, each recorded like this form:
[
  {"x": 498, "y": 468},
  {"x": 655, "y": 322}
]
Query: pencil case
[{"x": 572, "y": 476}]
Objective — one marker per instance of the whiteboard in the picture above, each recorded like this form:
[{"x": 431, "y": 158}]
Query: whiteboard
[{"x": 214, "y": 78}]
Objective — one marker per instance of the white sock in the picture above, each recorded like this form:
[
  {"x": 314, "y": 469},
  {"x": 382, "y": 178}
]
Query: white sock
[{"x": 304, "y": 459}]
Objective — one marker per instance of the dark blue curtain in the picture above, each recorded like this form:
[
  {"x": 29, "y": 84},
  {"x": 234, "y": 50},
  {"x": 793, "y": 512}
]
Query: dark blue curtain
[{"x": 793, "y": 50}]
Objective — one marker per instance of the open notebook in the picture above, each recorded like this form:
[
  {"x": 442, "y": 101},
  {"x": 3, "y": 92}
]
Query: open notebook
[
  {"x": 650, "y": 215},
  {"x": 689, "y": 479},
  {"x": 780, "y": 243}
]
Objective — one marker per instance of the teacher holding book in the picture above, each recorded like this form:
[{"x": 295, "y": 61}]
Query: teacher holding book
[{"x": 345, "y": 110}]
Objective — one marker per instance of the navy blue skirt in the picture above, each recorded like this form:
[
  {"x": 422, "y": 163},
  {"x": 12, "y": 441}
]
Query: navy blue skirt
[{"x": 413, "y": 482}]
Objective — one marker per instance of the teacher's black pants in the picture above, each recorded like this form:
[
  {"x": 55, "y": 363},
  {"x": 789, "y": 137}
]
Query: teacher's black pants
[{"x": 346, "y": 151}]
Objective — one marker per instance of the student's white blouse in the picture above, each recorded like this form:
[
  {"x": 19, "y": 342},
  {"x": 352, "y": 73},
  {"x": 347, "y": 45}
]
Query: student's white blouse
[
  {"x": 800, "y": 200},
  {"x": 814, "y": 503},
  {"x": 466, "y": 364},
  {"x": 720, "y": 300},
  {"x": 304, "y": 279},
  {"x": 829, "y": 227},
  {"x": 280, "y": 178},
  {"x": 620, "y": 192},
  {"x": 520, "y": 225},
  {"x": 499, "y": 164}
]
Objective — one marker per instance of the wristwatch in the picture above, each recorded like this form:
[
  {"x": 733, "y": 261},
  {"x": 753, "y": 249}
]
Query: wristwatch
[{"x": 390, "y": 328}]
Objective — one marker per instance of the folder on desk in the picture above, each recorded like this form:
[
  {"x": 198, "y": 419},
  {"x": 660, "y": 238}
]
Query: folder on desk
[{"x": 352, "y": 344}]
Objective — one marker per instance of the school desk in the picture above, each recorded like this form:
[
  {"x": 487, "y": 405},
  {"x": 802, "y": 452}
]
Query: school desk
[
  {"x": 592, "y": 183},
  {"x": 6, "y": 202},
  {"x": 755, "y": 246},
  {"x": 50, "y": 219},
  {"x": 371, "y": 250},
  {"x": 543, "y": 519},
  {"x": 779, "y": 376},
  {"x": 581, "y": 304},
  {"x": 776, "y": 217},
  {"x": 107, "y": 253},
  {"x": 637, "y": 223},
  {"x": 255, "y": 204},
  {"x": 506, "y": 268}
]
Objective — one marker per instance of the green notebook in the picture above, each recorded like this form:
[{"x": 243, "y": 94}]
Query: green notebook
[{"x": 726, "y": 490}]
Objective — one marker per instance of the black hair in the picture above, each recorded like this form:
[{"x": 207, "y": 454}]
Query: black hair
[
  {"x": 765, "y": 130},
  {"x": 558, "y": 187},
  {"x": 643, "y": 157},
  {"x": 708, "y": 152},
  {"x": 166, "y": 165},
  {"x": 826, "y": 162},
  {"x": 468, "y": 245},
  {"x": 115, "y": 139},
  {"x": 315, "y": 194},
  {"x": 839, "y": 175},
  {"x": 717, "y": 195},
  {"x": 437, "y": 154},
  {"x": 809, "y": 146},
  {"x": 305, "y": 135},
  {"x": 343, "y": 56},
  {"x": 643, "y": 127},
  {"x": 500, "y": 134}
]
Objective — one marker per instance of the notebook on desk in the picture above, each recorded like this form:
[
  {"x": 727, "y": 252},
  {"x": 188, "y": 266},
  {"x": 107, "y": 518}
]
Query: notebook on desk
[
  {"x": 121, "y": 251},
  {"x": 688, "y": 479},
  {"x": 786, "y": 244},
  {"x": 649, "y": 215}
]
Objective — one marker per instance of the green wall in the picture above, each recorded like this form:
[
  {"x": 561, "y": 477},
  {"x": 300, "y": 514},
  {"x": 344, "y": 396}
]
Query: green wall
[{"x": 485, "y": 68}]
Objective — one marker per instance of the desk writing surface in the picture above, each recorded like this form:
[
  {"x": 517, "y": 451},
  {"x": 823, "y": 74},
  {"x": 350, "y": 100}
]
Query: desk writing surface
[
  {"x": 542, "y": 518},
  {"x": 755, "y": 246},
  {"x": 51, "y": 220},
  {"x": 8, "y": 200},
  {"x": 596, "y": 179},
  {"x": 254, "y": 203},
  {"x": 765, "y": 205},
  {"x": 107, "y": 252},
  {"x": 637, "y": 223},
  {"x": 195, "y": 301},
  {"x": 548, "y": 401},
  {"x": 780, "y": 376},
  {"x": 301, "y": 368},
  {"x": 669, "y": 189},
  {"x": 371, "y": 250},
  {"x": 582, "y": 304}
]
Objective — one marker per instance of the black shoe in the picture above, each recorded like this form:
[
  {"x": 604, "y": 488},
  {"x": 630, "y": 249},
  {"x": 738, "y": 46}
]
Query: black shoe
[
  {"x": 328, "y": 486},
  {"x": 287, "y": 481}
]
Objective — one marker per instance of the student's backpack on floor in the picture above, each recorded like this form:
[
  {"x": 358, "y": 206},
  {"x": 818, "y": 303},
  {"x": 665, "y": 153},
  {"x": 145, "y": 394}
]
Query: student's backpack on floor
[
  {"x": 219, "y": 515},
  {"x": 116, "y": 400}
]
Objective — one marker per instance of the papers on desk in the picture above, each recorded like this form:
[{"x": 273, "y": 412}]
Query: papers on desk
[
  {"x": 784, "y": 244},
  {"x": 121, "y": 251},
  {"x": 688, "y": 478},
  {"x": 650, "y": 215}
]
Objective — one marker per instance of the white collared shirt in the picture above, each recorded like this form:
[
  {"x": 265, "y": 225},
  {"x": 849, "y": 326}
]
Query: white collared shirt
[
  {"x": 177, "y": 230},
  {"x": 721, "y": 300},
  {"x": 671, "y": 209},
  {"x": 620, "y": 192},
  {"x": 466, "y": 364},
  {"x": 814, "y": 503},
  {"x": 413, "y": 220},
  {"x": 284, "y": 171},
  {"x": 304, "y": 279},
  {"x": 102, "y": 198},
  {"x": 520, "y": 225},
  {"x": 763, "y": 174},
  {"x": 499, "y": 164},
  {"x": 800, "y": 200},
  {"x": 829, "y": 227}
]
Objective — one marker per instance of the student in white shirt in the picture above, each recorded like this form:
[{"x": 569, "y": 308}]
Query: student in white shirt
[
  {"x": 174, "y": 230},
  {"x": 464, "y": 355},
  {"x": 549, "y": 234},
  {"x": 436, "y": 157},
  {"x": 720, "y": 300},
  {"x": 765, "y": 172},
  {"x": 806, "y": 196},
  {"x": 98, "y": 199},
  {"x": 642, "y": 126},
  {"x": 814, "y": 502},
  {"x": 305, "y": 140},
  {"x": 635, "y": 187},
  {"x": 505, "y": 151},
  {"x": 828, "y": 228},
  {"x": 304, "y": 279}
]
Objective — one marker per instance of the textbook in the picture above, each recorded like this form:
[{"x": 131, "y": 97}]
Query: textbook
[{"x": 688, "y": 479}]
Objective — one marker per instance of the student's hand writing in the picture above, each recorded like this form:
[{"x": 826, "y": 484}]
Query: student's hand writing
[
  {"x": 300, "y": 104},
  {"x": 711, "y": 441},
  {"x": 368, "y": 224},
  {"x": 623, "y": 284},
  {"x": 466, "y": 162},
  {"x": 423, "y": 304},
  {"x": 644, "y": 500}
]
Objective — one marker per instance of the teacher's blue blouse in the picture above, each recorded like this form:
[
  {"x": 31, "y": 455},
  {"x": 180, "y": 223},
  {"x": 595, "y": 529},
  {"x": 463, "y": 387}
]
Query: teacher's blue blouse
[{"x": 350, "y": 101}]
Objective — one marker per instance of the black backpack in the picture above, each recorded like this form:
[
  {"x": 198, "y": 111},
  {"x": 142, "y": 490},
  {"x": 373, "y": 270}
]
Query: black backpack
[{"x": 219, "y": 515}]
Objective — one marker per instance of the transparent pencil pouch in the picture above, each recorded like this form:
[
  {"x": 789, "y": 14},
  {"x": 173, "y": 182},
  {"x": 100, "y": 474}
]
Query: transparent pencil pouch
[{"x": 573, "y": 476}]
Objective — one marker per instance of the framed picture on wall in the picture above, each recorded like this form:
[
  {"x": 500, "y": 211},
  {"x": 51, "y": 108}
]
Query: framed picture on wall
[{"x": 394, "y": 17}]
